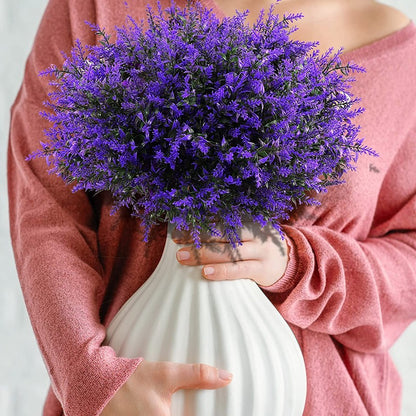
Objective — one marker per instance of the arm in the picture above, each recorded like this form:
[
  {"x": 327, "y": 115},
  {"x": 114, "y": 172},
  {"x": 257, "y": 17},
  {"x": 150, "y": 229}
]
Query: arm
[
  {"x": 360, "y": 292},
  {"x": 56, "y": 250},
  {"x": 54, "y": 239}
]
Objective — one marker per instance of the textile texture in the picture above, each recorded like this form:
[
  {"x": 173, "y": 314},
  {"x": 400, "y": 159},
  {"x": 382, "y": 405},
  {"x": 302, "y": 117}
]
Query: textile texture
[{"x": 348, "y": 292}]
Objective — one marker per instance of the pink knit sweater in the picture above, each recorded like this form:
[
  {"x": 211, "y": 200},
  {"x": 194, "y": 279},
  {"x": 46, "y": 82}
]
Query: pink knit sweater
[{"x": 350, "y": 287}]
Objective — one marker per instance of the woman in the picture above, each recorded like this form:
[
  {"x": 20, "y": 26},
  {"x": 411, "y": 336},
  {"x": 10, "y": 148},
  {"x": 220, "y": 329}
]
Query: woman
[{"x": 345, "y": 284}]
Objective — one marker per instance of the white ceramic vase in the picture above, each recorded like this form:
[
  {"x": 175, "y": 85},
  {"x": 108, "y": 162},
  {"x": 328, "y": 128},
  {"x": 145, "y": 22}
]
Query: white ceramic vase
[{"x": 179, "y": 316}]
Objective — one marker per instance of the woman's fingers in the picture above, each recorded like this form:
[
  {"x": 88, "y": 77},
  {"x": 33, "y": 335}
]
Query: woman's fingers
[
  {"x": 168, "y": 377},
  {"x": 221, "y": 262},
  {"x": 248, "y": 269},
  {"x": 264, "y": 273},
  {"x": 262, "y": 256},
  {"x": 218, "y": 252},
  {"x": 249, "y": 232},
  {"x": 149, "y": 389},
  {"x": 195, "y": 376},
  {"x": 263, "y": 261}
]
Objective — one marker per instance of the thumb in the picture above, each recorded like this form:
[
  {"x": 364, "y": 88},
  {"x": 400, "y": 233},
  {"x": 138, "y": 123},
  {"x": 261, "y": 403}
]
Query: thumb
[{"x": 197, "y": 376}]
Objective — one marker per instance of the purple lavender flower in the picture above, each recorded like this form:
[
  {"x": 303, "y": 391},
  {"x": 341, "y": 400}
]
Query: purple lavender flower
[{"x": 195, "y": 119}]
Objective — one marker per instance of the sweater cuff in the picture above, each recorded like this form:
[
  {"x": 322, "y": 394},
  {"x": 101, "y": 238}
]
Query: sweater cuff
[
  {"x": 96, "y": 381},
  {"x": 288, "y": 280}
]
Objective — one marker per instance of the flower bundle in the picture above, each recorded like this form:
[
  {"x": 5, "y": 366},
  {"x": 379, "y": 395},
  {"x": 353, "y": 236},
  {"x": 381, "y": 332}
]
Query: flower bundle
[{"x": 192, "y": 120}]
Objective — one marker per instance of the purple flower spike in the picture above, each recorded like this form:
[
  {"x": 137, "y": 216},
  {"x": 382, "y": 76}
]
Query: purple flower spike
[{"x": 196, "y": 119}]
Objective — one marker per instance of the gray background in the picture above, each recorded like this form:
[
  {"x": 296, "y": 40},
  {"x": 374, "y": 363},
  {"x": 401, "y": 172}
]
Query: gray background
[{"x": 23, "y": 379}]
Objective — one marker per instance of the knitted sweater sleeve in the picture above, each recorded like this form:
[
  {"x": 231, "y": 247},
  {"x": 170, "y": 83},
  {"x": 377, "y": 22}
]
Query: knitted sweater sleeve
[
  {"x": 361, "y": 291},
  {"x": 54, "y": 237}
]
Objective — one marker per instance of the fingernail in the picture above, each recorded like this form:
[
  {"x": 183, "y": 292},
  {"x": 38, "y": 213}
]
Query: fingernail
[
  {"x": 224, "y": 375},
  {"x": 208, "y": 270},
  {"x": 183, "y": 255}
]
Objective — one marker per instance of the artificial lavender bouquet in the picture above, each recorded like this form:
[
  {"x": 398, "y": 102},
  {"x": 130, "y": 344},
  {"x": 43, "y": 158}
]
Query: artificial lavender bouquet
[{"x": 191, "y": 119}]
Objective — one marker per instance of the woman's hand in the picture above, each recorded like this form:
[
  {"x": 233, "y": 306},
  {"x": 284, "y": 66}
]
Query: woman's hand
[
  {"x": 148, "y": 391},
  {"x": 262, "y": 257}
]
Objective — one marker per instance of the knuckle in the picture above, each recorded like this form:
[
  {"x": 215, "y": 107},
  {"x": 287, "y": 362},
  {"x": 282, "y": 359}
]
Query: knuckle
[
  {"x": 204, "y": 372},
  {"x": 239, "y": 268},
  {"x": 226, "y": 271},
  {"x": 201, "y": 255},
  {"x": 232, "y": 270}
]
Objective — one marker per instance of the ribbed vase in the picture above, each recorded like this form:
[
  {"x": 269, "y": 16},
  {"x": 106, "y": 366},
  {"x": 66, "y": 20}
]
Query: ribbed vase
[{"x": 179, "y": 316}]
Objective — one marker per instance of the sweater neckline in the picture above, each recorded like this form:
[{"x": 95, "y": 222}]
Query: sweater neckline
[
  {"x": 370, "y": 50},
  {"x": 383, "y": 45}
]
